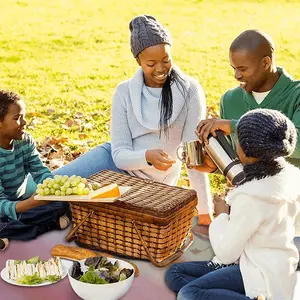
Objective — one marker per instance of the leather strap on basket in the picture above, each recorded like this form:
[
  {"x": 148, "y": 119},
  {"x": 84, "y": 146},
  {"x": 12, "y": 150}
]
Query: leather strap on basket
[
  {"x": 171, "y": 258},
  {"x": 71, "y": 234}
]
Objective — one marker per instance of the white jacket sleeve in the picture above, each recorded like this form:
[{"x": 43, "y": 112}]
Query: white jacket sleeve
[
  {"x": 297, "y": 223},
  {"x": 196, "y": 111},
  {"x": 123, "y": 154},
  {"x": 229, "y": 234}
]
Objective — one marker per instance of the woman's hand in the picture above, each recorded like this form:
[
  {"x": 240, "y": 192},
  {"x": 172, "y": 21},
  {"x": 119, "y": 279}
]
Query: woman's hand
[
  {"x": 220, "y": 206},
  {"x": 205, "y": 127},
  {"x": 159, "y": 159}
]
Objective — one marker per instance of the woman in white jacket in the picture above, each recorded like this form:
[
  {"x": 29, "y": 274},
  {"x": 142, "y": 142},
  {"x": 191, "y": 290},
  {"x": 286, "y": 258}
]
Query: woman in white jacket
[{"x": 255, "y": 253}]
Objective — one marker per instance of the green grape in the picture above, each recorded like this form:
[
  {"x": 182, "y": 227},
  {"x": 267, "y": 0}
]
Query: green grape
[
  {"x": 47, "y": 180},
  {"x": 40, "y": 191},
  {"x": 80, "y": 191},
  {"x": 84, "y": 181},
  {"x": 69, "y": 191},
  {"x": 86, "y": 191},
  {"x": 81, "y": 185},
  {"x": 74, "y": 183},
  {"x": 65, "y": 178},
  {"x": 57, "y": 193},
  {"x": 67, "y": 184},
  {"x": 72, "y": 177},
  {"x": 57, "y": 178},
  {"x": 56, "y": 186},
  {"x": 95, "y": 186},
  {"x": 46, "y": 191}
]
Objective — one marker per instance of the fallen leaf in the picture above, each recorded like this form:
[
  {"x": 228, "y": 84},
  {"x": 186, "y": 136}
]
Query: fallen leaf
[
  {"x": 55, "y": 163},
  {"x": 78, "y": 115},
  {"x": 69, "y": 123},
  {"x": 50, "y": 111},
  {"x": 33, "y": 114},
  {"x": 83, "y": 136}
]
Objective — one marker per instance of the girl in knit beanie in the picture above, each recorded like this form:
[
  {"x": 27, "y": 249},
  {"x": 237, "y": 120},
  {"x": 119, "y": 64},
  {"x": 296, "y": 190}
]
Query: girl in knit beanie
[
  {"x": 265, "y": 137},
  {"x": 255, "y": 256}
]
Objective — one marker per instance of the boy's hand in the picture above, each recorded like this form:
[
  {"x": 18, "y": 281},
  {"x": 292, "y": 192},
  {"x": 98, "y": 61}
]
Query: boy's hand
[
  {"x": 205, "y": 127},
  {"x": 159, "y": 159},
  {"x": 30, "y": 203}
]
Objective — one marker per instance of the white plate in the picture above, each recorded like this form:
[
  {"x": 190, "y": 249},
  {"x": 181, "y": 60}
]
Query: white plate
[
  {"x": 85, "y": 198},
  {"x": 65, "y": 267}
]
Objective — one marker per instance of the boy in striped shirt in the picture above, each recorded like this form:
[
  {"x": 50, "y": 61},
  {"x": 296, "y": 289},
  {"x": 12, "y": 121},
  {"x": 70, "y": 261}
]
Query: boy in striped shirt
[{"x": 22, "y": 217}]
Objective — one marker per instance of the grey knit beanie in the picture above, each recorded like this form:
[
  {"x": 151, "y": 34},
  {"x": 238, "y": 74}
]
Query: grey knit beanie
[
  {"x": 266, "y": 134},
  {"x": 146, "y": 31}
]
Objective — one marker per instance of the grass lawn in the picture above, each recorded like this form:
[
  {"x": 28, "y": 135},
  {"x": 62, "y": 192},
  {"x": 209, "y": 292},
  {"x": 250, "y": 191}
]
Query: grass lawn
[{"x": 66, "y": 56}]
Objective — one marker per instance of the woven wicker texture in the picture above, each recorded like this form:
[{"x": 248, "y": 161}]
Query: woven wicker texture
[
  {"x": 147, "y": 196},
  {"x": 132, "y": 226}
]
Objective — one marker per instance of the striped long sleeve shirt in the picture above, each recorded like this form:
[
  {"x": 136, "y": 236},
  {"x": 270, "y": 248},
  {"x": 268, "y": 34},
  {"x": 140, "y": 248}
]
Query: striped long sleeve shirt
[{"x": 15, "y": 165}]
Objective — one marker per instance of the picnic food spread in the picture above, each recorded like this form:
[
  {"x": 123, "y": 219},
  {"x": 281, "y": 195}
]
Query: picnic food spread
[
  {"x": 76, "y": 253},
  {"x": 108, "y": 191},
  {"x": 34, "y": 270},
  {"x": 65, "y": 185},
  {"x": 100, "y": 271},
  {"x": 72, "y": 253},
  {"x": 77, "y": 188}
]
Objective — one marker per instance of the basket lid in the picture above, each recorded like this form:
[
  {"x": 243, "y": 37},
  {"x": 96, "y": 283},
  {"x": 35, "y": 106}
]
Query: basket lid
[{"x": 146, "y": 196}]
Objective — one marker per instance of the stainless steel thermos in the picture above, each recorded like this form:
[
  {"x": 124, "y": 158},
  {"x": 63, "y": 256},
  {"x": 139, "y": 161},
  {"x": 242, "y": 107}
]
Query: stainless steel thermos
[{"x": 226, "y": 159}]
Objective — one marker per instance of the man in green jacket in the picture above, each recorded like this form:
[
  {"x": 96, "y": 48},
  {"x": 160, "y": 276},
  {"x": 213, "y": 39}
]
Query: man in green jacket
[{"x": 262, "y": 85}]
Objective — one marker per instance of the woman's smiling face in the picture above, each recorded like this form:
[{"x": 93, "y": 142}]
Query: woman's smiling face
[{"x": 156, "y": 63}]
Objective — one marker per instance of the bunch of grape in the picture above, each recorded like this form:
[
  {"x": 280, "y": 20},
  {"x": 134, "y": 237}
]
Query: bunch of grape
[{"x": 64, "y": 186}]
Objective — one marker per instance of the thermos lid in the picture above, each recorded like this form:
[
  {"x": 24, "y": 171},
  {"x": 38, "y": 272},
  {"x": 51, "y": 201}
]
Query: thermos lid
[{"x": 238, "y": 179}]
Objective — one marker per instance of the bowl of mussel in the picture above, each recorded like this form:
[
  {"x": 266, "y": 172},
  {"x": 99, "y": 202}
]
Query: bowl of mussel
[{"x": 100, "y": 277}]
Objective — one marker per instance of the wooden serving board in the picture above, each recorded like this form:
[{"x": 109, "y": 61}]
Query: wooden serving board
[{"x": 83, "y": 198}]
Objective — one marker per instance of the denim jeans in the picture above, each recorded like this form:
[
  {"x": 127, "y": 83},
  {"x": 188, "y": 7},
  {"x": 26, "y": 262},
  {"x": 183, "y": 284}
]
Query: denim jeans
[
  {"x": 91, "y": 162},
  {"x": 203, "y": 280},
  {"x": 33, "y": 222}
]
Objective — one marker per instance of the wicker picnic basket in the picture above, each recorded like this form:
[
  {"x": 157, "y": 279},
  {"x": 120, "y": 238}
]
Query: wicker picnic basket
[{"x": 151, "y": 221}]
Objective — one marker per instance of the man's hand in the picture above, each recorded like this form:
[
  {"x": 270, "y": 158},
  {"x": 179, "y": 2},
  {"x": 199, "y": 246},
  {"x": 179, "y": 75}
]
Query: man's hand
[
  {"x": 159, "y": 159},
  {"x": 205, "y": 127},
  {"x": 208, "y": 164}
]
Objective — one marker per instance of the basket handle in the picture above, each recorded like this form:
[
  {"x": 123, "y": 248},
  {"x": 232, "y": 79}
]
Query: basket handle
[
  {"x": 71, "y": 234},
  {"x": 171, "y": 258}
]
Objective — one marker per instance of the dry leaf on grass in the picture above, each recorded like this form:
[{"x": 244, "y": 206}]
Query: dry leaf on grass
[{"x": 55, "y": 153}]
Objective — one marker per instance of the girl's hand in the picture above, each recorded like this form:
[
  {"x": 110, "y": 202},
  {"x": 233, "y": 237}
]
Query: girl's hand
[
  {"x": 220, "y": 206},
  {"x": 159, "y": 159}
]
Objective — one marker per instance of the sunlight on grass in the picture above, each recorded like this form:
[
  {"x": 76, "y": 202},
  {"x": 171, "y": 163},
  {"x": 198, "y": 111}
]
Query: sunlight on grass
[{"x": 69, "y": 55}]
